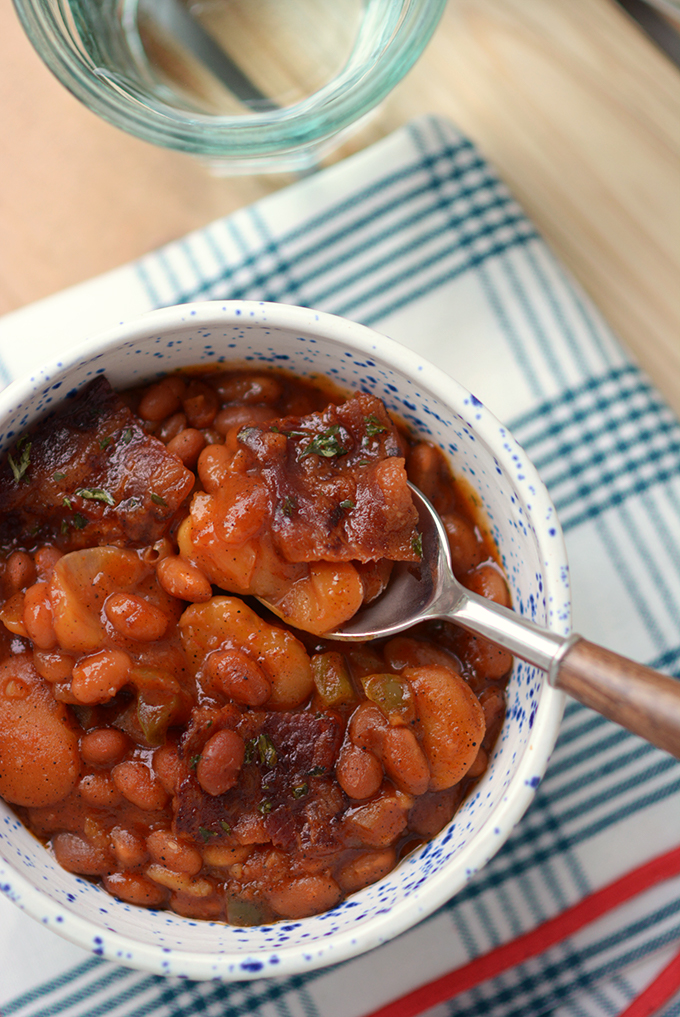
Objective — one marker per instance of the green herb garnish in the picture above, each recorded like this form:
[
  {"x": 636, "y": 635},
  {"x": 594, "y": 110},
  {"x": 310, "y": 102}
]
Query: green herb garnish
[
  {"x": 206, "y": 834},
  {"x": 126, "y": 436},
  {"x": 417, "y": 544},
  {"x": 156, "y": 498},
  {"x": 105, "y": 442},
  {"x": 193, "y": 763},
  {"x": 373, "y": 425},
  {"x": 21, "y": 464},
  {"x": 96, "y": 494},
  {"x": 266, "y": 749},
  {"x": 347, "y": 504},
  {"x": 265, "y": 808},
  {"x": 326, "y": 444},
  {"x": 58, "y": 476},
  {"x": 80, "y": 522},
  {"x": 225, "y": 826},
  {"x": 263, "y": 747},
  {"x": 300, "y": 790},
  {"x": 66, "y": 501},
  {"x": 288, "y": 505}
]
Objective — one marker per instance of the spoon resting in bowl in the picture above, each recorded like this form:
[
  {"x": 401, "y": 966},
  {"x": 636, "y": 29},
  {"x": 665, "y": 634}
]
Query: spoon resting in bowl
[{"x": 636, "y": 697}]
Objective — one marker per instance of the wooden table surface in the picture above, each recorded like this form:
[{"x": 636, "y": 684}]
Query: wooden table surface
[{"x": 577, "y": 109}]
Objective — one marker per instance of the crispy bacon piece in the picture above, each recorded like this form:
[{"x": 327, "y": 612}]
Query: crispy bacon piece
[
  {"x": 287, "y": 777},
  {"x": 337, "y": 486},
  {"x": 92, "y": 468}
]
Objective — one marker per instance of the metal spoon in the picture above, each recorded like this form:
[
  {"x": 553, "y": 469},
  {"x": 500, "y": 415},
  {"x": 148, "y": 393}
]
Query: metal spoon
[{"x": 644, "y": 701}]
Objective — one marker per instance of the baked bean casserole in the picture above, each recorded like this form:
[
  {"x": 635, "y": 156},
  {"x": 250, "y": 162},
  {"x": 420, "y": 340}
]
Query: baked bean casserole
[{"x": 163, "y": 732}]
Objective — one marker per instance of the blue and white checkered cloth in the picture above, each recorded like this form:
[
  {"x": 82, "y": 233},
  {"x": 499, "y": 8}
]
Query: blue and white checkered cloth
[{"x": 418, "y": 238}]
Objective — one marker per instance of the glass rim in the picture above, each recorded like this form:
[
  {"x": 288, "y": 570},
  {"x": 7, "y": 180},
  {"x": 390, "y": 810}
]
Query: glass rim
[{"x": 273, "y": 133}]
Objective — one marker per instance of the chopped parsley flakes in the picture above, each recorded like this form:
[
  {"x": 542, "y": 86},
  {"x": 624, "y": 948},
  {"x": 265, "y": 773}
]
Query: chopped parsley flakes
[
  {"x": 96, "y": 494},
  {"x": 23, "y": 460},
  {"x": 325, "y": 444},
  {"x": 373, "y": 425},
  {"x": 261, "y": 748}
]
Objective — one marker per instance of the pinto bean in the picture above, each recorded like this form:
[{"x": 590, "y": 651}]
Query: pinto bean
[
  {"x": 171, "y": 427},
  {"x": 238, "y": 676},
  {"x": 188, "y": 445},
  {"x": 12, "y": 615},
  {"x": 480, "y": 764},
  {"x": 45, "y": 559},
  {"x": 128, "y": 847},
  {"x": 77, "y": 854},
  {"x": 135, "y": 618},
  {"x": 99, "y": 790},
  {"x": 213, "y": 465},
  {"x": 241, "y": 415},
  {"x": 489, "y": 660},
  {"x": 488, "y": 581},
  {"x": 358, "y": 771},
  {"x": 136, "y": 889},
  {"x": 248, "y": 388},
  {"x": 100, "y": 676},
  {"x": 52, "y": 665},
  {"x": 162, "y": 399},
  {"x": 139, "y": 785},
  {"x": 404, "y": 651},
  {"x": 175, "y": 854},
  {"x": 104, "y": 746},
  {"x": 200, "y": 403},
  {"x": 427, "y": 469},
  {"x": 180, "y": 882},
  {"x": 432, "y": 812},
  {"x": 220, "y": 762},
  {"x": 404, "y": 761},
  {"x": 368, "y": 726},
  {"x": 366, "y": 868},
  {"x": 167, "y": 766},
  {"x": 466, "y": 550},
  {"x": 182, "y": 579},
  {"x": 493, "y": 704},
  {"x": 221, "y": 856},
  {"x": 307, "y": 895},
  {"x": 206, "y": 909},
  {"x": 451, "y": 720},
  {"x": 21, "y": 571},
  {"x": 38, "y": 616}
]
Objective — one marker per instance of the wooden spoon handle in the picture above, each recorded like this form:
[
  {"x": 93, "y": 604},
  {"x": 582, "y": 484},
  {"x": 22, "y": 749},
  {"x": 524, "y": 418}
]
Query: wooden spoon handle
[{"x": 637, "y": 698}]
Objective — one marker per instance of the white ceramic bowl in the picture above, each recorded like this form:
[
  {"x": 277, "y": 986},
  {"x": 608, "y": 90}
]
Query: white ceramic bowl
[{"x": 524, "y": 525}]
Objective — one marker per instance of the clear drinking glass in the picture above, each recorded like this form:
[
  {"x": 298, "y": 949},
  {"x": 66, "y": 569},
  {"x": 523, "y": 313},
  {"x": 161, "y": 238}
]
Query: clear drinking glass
[{"x": 252, "y": 85}]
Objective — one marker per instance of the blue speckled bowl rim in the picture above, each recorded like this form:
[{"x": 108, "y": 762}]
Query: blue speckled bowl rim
[{"x": 441, "y": 886}]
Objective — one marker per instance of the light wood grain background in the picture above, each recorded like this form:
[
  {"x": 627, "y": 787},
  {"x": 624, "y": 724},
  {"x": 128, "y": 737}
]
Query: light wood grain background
[{"x": 577, "y": 109}]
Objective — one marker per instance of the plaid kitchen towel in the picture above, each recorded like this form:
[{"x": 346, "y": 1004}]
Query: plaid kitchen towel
[{"x": 418, "y": 238}]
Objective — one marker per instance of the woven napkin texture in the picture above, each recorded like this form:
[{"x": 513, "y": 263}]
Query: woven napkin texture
[{"x": 418, "y": 238}]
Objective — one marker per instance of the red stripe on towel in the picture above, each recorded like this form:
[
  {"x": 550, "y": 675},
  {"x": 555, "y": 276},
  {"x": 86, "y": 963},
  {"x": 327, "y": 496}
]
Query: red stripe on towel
[
  {"x": 535, "y": 942},
  {"x": 659, "y": 991}
]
